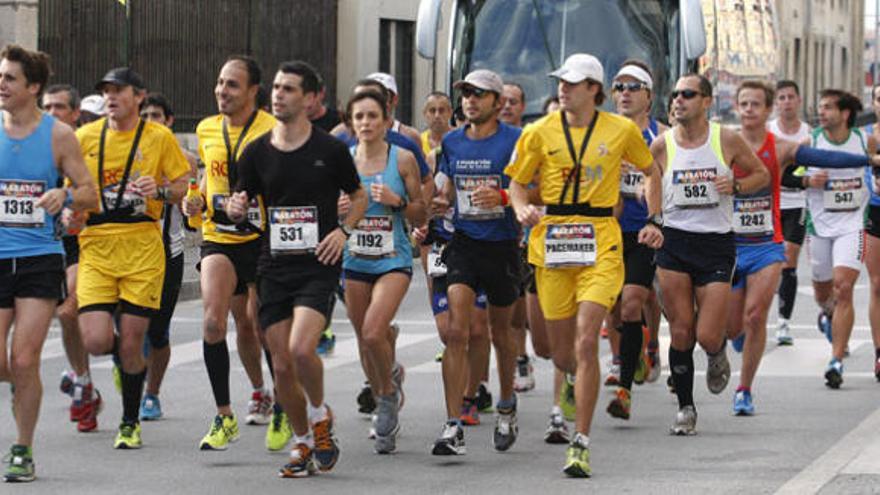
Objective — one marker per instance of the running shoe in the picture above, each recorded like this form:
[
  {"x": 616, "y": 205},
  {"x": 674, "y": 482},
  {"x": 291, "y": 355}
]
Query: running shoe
[
  {"x": 398, "y": 375},
  {"x": 718, "y": 372},
  {"x": 577, "y": 458},
  {"x": 68, "y": 378},
  {"x": 484, "y": 398},
  {"x": 557, "y": 431},
  {"x": 224, "y": 430},
  {"x": 259, "y": 408},
  {"x": 301, "y": 463},
  {"x": 621, "y": 404},
  {"x": 742, "y": 403},
  {"x": 386, "y": 424},
  {"x": 451, "y": 440},
  {"x": 525, "y": 375},
  {"x": 738, "y": 342},
  {"x": 89, "y": 406},
  {"x": 685, "y": 422},
  {"x": 366, "y": 402},
  {"x": 783, "y": 333},
  {"x": 506, "y": 428},
  {"x": 128, "y": 437},
  {"x": 438, "y": 358},
  {"x": 470, "y": 414},
  {"x": 566, "y": 398},
  {"x": 279, "y": 431},
  {"x": 612, "y": 379},
  {"x": 604, "y": 332},
  {"x": 327, "y": 343},
  {"x": 654, "y": 366},
  {"x": 834, "y": 374},
  {"x": 641, "y": 373},
  {"x": 824, "y": 324},
  {"x": 20, "y": 466},
  {"x": 151, "y": 408},
  {"x": 326, "y": 449}
]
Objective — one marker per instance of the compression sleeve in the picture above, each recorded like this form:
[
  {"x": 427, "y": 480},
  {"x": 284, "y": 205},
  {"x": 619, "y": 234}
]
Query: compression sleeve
[{"x": 813, "y": 157}]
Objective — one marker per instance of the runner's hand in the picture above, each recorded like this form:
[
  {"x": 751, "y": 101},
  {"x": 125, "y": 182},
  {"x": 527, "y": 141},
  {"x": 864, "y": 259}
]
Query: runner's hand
[
  {"x": 192, "y": 207},
  {"x": 52, "y": 200},
  {"x": 330, "y": 248},
  {"x": 486, "y": 197},
  {"x": 724, "y": 184},
  {"x": 439, "y": 205},
  {"x": 146, "y": 186},
  {"x": 651, "y": 236},
  {"x": 382, "y": 194},
  {"x": 420, "y": 233},
  {"x": 236, "y": 206},
  {"x": 528, "y": 215},
  {"x": 818, "y": 179}
]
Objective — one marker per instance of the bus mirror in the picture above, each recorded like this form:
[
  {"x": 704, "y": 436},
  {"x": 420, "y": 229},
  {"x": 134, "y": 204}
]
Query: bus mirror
[
  {"x": 693, "y": 31},
  {"x": 426, "y": 27}
]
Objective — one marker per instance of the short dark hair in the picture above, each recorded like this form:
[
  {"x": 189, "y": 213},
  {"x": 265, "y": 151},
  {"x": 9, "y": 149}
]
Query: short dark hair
[
  {"x": 600, "y": 96},
  {"x": 550, "y": 99},
  {"x": 705, "y": 84},
  {"x": 769, "y": 92},
  {"x": 255, "y": 74},
  {"x": 439, "y": 94},
  {"x": 844, "y": 100},
  {"x": 311, "y": 81},
  {"x": 35, "y": 64},
  {"x": 367, "y": 95},
  {"x": 375, "y": 84},
  {"x": 73, "y": 97},
  {"x": 519, "y": 87},
  {"x": 158, "y": 100},
  {"x": 788, "y": 83}
]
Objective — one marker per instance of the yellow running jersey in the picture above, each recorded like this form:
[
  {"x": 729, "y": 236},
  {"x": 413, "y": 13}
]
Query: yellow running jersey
[
  {"x": 543, "y": 149},
  {"x": 158, "y": 154},
  {"x": 213, "y": 152}
]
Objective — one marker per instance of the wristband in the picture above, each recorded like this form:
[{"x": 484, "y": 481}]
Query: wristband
[
  {"x": 401, "y": 206},
  {"x": 505, "y": 199},
  {"x": 346, "y": 230}
]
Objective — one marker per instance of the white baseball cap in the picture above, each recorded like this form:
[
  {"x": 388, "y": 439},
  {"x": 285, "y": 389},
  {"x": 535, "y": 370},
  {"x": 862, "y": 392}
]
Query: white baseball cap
[
  {"x": 579, "y": 67},
  {"x": 482, "y": 79},
  {"x": 384, "y": 79},
  {"x": 637, "y": 73},
  {"x": 93, "y": 104}
]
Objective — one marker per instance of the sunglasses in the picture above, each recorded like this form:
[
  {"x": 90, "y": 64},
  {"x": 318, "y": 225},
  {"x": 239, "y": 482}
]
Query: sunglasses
[
  {"x": 468, "y": 91},
  {"x": 632, "y": 87},
  {"x": 687, "y": 94}
]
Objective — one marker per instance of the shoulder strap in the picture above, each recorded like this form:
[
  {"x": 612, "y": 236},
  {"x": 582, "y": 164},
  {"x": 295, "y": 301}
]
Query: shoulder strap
[
  {"x": 715, "y": 141},
  {"x": 670, "y": 147}
]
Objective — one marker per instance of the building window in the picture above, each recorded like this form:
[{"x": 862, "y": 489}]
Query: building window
[{"x": 396, "y": 57}]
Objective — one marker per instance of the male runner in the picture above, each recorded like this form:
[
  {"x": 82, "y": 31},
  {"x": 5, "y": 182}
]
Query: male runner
[
  {"x": 36, "y": 153},
  {"x": 437, "y": 112}
]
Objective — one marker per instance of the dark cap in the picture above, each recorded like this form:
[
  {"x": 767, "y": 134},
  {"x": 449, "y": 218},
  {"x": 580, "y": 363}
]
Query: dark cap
[{"x": 121, "y": 76}]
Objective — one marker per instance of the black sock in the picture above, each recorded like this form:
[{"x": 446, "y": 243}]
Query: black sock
[
  {"x": 877, "y": 353},
  {"x": 217, "y": 362},
  {"x": 681, "y": 364},
  {"x": 630, "y": 348},
  {"x": 269, "y": 364},
  {"x": 132, "y": 388},
  {"x": 787, "y": 292}
]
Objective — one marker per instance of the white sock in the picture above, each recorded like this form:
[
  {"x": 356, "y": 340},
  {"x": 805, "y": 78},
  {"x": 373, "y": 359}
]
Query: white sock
[
  {"x": 307, "y": 439},
  {"x": 318, "y": 413},
  {"x": 84, "y": 379},
  {"x": 556, "y": 411},
  {"x": 581, "y": 439}
]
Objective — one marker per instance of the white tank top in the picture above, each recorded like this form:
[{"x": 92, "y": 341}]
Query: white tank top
[
  {"x": 837, "y": 209},
  {"x": 690, "y": 200},
  {"x": 791, "y": 198}
]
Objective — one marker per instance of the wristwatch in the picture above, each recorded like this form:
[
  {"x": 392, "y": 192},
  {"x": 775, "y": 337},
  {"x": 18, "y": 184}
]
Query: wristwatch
[
  {"x": 345, "y": 229},
  {"x": 656, "y": 220},
  {"x": 402, "y": 206},
  {"x": 737, "y": 187}
]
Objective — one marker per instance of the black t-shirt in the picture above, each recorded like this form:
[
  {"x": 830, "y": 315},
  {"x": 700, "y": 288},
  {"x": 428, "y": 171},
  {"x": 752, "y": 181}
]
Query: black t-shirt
[
  {"x": 311, "y": 175},
  {"x": 329, "y": 120}
]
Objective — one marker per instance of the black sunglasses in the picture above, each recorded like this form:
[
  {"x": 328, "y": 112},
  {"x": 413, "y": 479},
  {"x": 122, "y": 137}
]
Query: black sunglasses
[
  {"x": 468, "y": 91},
  {"x": 687, "y": 94},
  {"x": 630, "y": 86}
]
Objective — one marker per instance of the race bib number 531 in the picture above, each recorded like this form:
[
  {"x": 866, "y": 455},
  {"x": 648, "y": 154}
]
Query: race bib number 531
[{"x": 293, "y": 229}]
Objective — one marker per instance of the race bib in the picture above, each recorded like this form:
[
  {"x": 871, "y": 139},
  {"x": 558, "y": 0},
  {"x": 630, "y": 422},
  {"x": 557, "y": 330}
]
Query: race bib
[
  {"x": 373, "y": 237},
  {"x": 222, "y": 222},
  {"x": 632, "y": 183},
  {"x": 293, "y": 229},
  {"x": 130, "y": 200},
  {"x": 753, "y": 216},
  {"x": 570, "y": 244},
  {"x": 436, "y": 266},
  {"x": 18, "y": 199},
  {"x": 843, "y": 194},
  {"x": 694, "y": 188},
  {"x": 465, "y": 185}
]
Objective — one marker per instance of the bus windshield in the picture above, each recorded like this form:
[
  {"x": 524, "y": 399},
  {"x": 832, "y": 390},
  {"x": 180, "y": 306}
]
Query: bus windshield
[{"x": 523, "y": 40}]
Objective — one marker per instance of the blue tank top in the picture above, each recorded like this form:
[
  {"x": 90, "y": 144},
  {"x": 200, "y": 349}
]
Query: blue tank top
[
  {"x": 471, "y": 163},
  {"x": 635, "y": 211},
  {"x": 379, "y": 244},
  {"x": 397, "y": 139},
  {"x": 27, "y": 170},
  {"x": 869, "y": 178}
]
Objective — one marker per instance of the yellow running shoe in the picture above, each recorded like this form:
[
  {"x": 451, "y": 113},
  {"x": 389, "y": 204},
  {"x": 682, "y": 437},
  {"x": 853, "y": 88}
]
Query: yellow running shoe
[
  {"x": 223, "y": 430},
  {"x": 577, "y": 459},
  {"x": 128, "y": 437},
  {"x": 279, "y": 432},
  {"x": 566, "y": 399}
]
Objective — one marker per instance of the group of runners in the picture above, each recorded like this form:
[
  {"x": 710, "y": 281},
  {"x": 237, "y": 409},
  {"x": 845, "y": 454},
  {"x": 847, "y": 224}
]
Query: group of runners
[{"x": 581, "y": 223}]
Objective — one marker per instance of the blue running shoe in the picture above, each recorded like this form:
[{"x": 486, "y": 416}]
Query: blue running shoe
[
  {"x": 834, "y": 374},
  {"x": 742, "y": 403},
  {"x": 151, "y": 408},
  {"x": 824, "y": 324},
  {"x": 327, "y": 343},
  {"x": 739, "y": 342}
]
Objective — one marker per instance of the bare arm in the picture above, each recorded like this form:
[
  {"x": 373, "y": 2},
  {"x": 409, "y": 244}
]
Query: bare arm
[
  {"x": 70, "y": 162},
  {"x": 757, "y": 175},
  {"x": 416, "y": 209}
]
